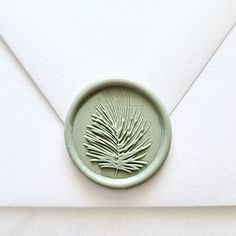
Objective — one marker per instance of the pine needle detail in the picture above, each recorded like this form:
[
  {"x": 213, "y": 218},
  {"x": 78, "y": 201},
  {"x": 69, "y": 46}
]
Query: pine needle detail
[{"x": 116, "y": 137}]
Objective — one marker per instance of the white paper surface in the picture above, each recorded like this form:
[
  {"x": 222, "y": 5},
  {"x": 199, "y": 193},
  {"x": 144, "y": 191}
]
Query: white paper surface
[
  {"x": 216, "y": 221},
  {"x": 200, "y": 170},
  {"x": 67, "y": 44}
]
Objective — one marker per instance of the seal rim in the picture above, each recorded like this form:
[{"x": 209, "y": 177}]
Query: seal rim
[{"x": 158, "y": 160}]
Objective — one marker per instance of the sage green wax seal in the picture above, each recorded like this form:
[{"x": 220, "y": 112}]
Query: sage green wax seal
[{"x": 117, "y": 133}]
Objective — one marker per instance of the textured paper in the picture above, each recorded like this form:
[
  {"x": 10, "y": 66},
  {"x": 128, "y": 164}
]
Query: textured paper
[
  {"x": 104, "y": 221},
  {"x": 36, "y": 171},
  {"x": 67, "y": 44}
]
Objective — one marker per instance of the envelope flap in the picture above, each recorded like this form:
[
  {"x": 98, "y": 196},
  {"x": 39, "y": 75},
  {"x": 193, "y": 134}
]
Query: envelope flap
[{"x": 68, "y": 44}]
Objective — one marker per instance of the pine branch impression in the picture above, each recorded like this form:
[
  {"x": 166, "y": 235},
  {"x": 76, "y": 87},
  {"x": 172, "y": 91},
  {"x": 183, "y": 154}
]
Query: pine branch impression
[{"x": 116, "y": 137}]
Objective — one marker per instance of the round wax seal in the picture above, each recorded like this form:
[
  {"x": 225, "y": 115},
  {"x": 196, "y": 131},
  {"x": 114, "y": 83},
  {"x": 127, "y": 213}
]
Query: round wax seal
[{"x": 117, "y": 133}]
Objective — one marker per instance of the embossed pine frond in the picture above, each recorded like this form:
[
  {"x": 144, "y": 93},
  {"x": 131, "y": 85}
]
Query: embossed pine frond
[{"x": 116, "y": 137}]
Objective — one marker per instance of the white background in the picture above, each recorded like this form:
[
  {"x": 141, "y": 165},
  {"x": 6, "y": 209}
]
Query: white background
[{"x": 214, "y": 221}]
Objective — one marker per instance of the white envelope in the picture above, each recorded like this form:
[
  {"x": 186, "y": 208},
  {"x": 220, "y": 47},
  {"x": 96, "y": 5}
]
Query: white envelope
[{"x": 183, "y": 51}]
